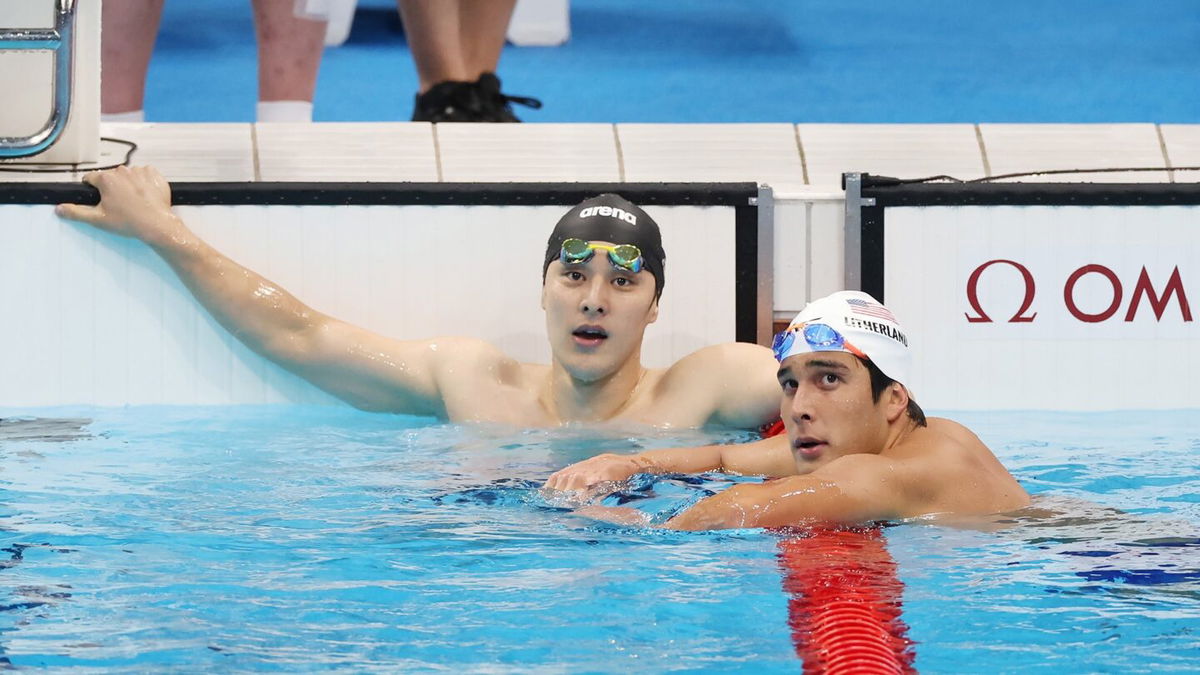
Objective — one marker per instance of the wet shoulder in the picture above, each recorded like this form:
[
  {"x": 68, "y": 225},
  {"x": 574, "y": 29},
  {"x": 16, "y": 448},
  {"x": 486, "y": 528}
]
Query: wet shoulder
[
  {"x": 728, "y": 385},
  {"x": 955, "y": 432},
  {"x": 724, "y": 358},
  {"x": 943, "y": 441},
  {"x": 466, "y": 355},
  {"x": 659, "y": 403},
  {"x": 973, "y": 480}
]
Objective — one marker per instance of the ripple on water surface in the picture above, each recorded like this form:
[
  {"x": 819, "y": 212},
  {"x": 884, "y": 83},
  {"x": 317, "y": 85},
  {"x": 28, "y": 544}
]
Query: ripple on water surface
[{"x": 310, "y": 537}]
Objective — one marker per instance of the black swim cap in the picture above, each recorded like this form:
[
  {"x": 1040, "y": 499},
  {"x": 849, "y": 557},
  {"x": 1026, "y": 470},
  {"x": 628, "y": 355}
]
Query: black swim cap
[{"x": 614, "y": 219}]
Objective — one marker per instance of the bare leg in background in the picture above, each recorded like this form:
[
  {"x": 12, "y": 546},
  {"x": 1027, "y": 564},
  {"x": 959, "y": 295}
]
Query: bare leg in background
[
  {"x": 483, "y": 25},
  {"x": 431, "y": 28},
  {"x": 126, "y": 43},
  {"x": 289, "y": 51},
  {"x": 455, "y": 40}
]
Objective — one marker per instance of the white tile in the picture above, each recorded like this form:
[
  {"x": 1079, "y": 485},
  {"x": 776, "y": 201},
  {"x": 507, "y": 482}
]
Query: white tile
[
  {"x": 900, "y": 150},
  {"x": 1013, "y": 148},
  {"x": 764, "y": 153},
  {"x": 1183, "y": 149},
  {"x": 528, "y": 152},
  {"x": 187, "y": 152},
  {"x": 343, "y": 152},
  {"x": 16, "y": 172},
  {"x": 111, "y": 153}
]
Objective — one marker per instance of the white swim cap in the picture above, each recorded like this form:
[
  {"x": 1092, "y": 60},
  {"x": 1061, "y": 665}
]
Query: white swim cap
[{"x": 852, "y": 322}]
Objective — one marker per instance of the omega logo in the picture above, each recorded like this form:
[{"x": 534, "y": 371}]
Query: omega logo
[{"x": 1143, "y": 291}]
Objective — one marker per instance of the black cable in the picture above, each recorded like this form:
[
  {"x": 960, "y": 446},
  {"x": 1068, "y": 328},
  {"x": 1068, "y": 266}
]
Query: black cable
[
  {"x": 67, "y": 168},
  {"x": 1062, "y": 171},
  {"x": 1047, "y": 172}
]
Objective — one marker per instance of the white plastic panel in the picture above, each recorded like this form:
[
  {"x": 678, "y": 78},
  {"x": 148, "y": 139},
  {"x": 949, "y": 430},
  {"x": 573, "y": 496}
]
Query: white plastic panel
[
  {"x": 1075, "y": 353},
  {"x": 528, "y": 152},
  {"x": 102, "y": 320},
  {"x": 792, "y": 266},
  {"x": 1013, "y": 148},
  {"x": 346, "y": 152},
  {"x": 1182, "y": 142},
  {"x": 763, "y": 153},
  {"x": 543, "y": 23},
  {"x": 221, "y": 152},
  {"x": 900, "y": 150},
  {"x": 809, "y": 260},
  {"x": 826, "y": 246}
]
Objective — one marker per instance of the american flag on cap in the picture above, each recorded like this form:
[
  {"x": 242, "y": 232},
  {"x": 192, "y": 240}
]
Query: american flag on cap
[{"x": 868, "y": 308}]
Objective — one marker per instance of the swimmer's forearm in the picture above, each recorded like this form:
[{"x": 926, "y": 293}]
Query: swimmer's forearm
[
  {"x": 768, "y": 457},
  {"x": 682, "y": 460},
  {"x": 251, "y": 307},
  {"x": 794, "y": 500}
]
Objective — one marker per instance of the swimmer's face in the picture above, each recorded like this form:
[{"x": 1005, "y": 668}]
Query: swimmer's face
[
  {"x": 596, "y": 314},
  {"x": 828, "y": 411}
]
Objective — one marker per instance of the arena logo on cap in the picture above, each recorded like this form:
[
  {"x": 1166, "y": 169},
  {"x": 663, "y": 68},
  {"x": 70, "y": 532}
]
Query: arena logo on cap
[{"x": 610, "y": 212}]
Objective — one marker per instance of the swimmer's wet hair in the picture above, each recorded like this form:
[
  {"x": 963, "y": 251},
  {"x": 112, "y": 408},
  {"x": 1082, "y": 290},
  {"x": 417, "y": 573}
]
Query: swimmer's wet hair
[{"x": 880, "y": 382}]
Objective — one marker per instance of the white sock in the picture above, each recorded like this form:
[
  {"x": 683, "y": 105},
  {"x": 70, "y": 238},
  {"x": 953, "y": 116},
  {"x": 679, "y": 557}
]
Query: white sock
[
  {"x": 285, "y": 111},
  {"x": 133, "y": 116}
]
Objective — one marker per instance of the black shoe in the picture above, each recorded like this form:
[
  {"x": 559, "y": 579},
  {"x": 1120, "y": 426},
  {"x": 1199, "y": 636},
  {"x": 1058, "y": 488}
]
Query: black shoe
[
  {"x": 450, "y": 102},
  {"x": 497, "y": 106}
]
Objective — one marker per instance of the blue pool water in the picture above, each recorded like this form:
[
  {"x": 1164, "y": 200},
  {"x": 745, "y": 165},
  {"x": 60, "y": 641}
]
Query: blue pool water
[{"x": 321, "y": 538}]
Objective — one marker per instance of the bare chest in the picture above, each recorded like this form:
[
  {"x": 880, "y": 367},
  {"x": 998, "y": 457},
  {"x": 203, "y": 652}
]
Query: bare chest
[
  {"x": 522, "y": 403},
  {"x": 498, "y": 403}
]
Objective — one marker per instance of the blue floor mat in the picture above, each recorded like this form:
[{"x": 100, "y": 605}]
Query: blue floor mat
[{"x": 721, "y": 61}]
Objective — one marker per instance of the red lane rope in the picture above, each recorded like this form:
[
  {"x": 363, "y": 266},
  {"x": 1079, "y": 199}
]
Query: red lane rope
[{"x": 844, "y": 601}]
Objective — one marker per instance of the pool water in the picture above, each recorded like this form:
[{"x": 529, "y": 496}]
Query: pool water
[{"x": 322, "y": 538}]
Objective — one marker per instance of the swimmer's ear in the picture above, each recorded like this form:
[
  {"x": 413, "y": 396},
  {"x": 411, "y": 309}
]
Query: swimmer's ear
[
  {"x": 652, "y": 313},
  {"x": 896, "y": 401}
]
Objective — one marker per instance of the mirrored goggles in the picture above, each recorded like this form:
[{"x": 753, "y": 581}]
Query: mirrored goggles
[
  {"x": 623, "y": 256},
  {"x": 820, "y": 338}
]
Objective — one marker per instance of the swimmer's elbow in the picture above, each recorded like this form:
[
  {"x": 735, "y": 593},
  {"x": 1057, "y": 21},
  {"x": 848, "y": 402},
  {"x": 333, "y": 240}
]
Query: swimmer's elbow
[
  {"x": 697, "y": 519},
  {"x": 303, "y": 342},
  {"x": 728, "y": 510}
]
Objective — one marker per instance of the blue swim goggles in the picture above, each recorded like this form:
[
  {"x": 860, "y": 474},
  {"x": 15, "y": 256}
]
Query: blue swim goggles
[
  {"x": 819, "y": 337},
  {"x": 624, "y": 256}
]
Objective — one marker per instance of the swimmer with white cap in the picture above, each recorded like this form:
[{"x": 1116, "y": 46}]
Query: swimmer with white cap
[
  {"x": 603, "y": 275},
  {"x": 857, "y": 449}
]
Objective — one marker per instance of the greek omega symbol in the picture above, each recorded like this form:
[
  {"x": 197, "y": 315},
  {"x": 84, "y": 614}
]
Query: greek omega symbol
[
  {"x": 1143, "y": 290},
  {"x": 973, "y": 293}
]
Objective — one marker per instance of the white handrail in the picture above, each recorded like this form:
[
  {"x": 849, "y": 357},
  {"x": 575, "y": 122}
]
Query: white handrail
[{"x": 60, "y": 40}]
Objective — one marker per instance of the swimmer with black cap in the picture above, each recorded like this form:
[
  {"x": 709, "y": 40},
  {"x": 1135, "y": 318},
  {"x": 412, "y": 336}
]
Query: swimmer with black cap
[
  {"x": 857, "y": 449},
  {"x": 603, "y": 277}
]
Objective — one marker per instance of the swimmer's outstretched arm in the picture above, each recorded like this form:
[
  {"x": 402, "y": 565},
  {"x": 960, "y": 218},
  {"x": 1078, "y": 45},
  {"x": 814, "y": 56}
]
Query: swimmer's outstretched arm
[
  {"x": 791, "y": 501},
  {"x": 768, "y": 457},
  {"x": 853, "y": 489},
  {"x": 365, "y": 369}
]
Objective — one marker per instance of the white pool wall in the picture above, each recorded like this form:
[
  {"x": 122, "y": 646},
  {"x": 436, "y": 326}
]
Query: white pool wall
[
  {"x": 802, "y": 163},
  {"x": 92, "y": 318}
]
